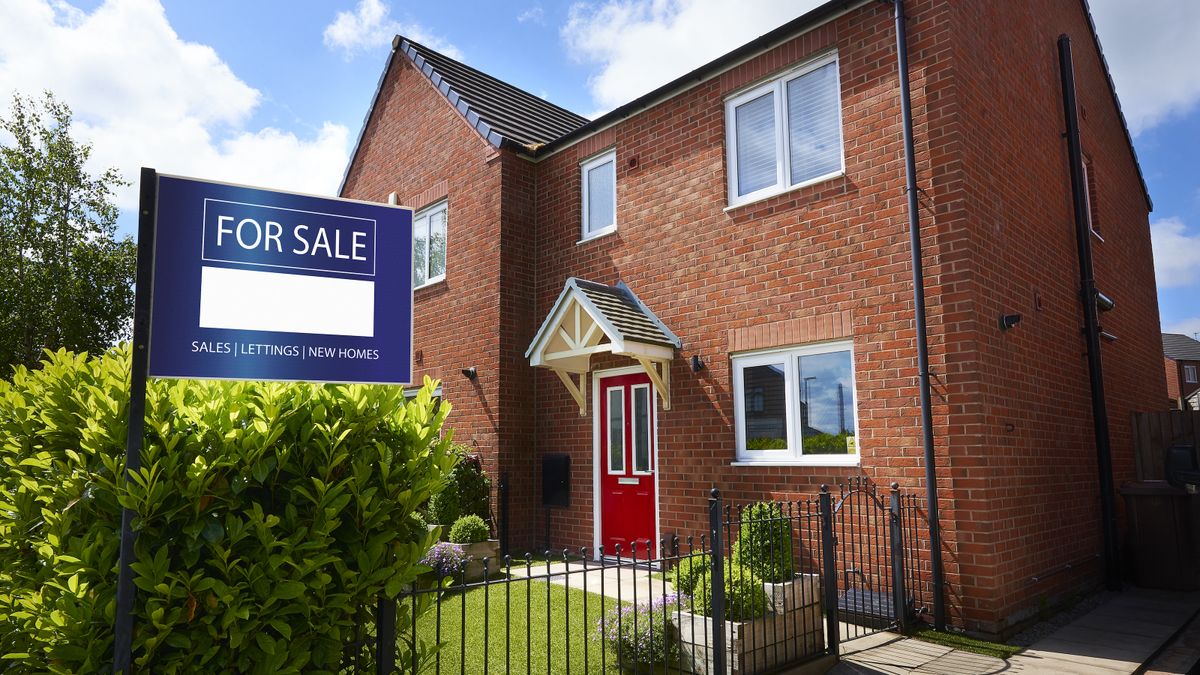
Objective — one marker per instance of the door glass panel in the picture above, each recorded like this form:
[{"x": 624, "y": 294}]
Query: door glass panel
[
  {"x": 616, "y": 430},
  {"x": 827, "y": 404},
  {"x": 641, "y": 429},
  {"x": 766, "y": 407}
]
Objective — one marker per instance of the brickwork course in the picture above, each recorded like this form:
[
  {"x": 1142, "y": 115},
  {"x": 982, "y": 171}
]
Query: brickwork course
[{"x": 1015, "y": 451}]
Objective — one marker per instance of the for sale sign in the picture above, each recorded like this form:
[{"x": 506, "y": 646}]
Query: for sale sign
[{"x": 255, "y": 284}]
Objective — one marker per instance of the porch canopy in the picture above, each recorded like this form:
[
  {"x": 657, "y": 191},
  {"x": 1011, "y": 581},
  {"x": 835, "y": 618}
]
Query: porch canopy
[{"x": 590, "y": 318}]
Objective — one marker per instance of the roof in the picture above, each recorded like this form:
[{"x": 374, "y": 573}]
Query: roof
[
  {"x": 620, "y": 313},
  {"x": 626, "y": 313},
  {"x": 510, "y": 117},
  {"x": 1180, "y": 347},
  {"x": 499, "y": 111}
]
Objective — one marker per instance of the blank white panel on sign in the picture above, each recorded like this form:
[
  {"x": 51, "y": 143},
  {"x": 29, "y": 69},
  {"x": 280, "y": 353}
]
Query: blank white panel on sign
[{"x": 287, "y": 303}]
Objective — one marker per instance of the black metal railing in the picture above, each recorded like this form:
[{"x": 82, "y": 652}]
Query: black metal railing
[{"x": 766, "y": 587}]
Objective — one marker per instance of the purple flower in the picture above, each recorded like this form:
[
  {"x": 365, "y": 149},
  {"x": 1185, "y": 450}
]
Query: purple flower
[
  {"x": 445, "y": 558},
  {"x": 638, "y": 632}
]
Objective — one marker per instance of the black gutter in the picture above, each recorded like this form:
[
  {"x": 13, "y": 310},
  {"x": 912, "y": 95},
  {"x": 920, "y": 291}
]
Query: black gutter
[
  {"x": 1091, "y": 322},
  {"x": 761, "y": 43},
  {"x": 914, "y": 234}
]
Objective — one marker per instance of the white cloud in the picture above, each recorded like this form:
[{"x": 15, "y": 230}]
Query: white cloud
[
  {"x": 535, "y": 14},
  {"x": 144, "y": 97},
  {"x": 642, "y": 44},
  {"x": 1176, "y": 253},
  {"x": 1189, "y": 327},
  {"x": 369, "y": 27},
  {"x": 1152, "y": 50}
]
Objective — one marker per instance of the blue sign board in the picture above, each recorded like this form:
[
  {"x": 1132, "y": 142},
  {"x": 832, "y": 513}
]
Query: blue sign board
[{"x": 252, "y": 284}]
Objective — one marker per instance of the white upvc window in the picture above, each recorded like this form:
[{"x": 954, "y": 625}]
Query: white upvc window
[
  {"x": 785, "y": 133},
  {"x": 599, "y": 178},
  {"x": 429, "y": 245},
  {"x": 796, "y": 405},
  {"x": 1189, "y": 374}
]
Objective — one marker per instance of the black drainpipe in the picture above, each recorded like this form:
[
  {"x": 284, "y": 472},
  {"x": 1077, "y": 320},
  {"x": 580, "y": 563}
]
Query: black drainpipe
[
  {"x": 914, "y": 233},
  {"x": 1091, "y": 323}
]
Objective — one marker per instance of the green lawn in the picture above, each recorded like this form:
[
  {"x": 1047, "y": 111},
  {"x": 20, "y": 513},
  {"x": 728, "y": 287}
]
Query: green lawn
[
  {"x": 541, "y": 649},
  {"x": 967, "y": 644}
]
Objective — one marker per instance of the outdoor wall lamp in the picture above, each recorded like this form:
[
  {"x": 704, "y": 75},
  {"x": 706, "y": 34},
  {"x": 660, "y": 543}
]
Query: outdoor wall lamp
[
  {"x": 470, "y": 373},
  {"x": 697, "y": 364},
  {"x": 1009, "y": 320}
]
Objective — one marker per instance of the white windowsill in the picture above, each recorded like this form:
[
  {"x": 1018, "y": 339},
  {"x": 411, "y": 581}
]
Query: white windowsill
[
  {"x": 598, "y": 234},
  {"x": 431, "y": 284},
  {"x": 814, "y": 462},
  {"x": 775, "y": 193}
]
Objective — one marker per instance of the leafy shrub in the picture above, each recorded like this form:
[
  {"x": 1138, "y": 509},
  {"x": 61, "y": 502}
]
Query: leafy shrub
[
  {"x": 744, "y": 595},
  {"x": 267, "y": 517},
  {"x": 638, "y": 633},
  {"x": 767, "y": 443},
  {"x": 417, "y": 523},
  {"x": 764, "y": 543},
  {"x": 826, "y": 444},
  {"x": 445, "y": 559},
  {"x": 445, "y": 506},
  {"x": 469, "y": 491},
  {"x": 469, "y": 529},
  {"x": 692, "y": 570}
]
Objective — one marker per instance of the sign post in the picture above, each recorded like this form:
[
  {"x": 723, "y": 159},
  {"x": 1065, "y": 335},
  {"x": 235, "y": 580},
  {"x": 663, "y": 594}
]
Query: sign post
[{"x": 242, "y": 283}]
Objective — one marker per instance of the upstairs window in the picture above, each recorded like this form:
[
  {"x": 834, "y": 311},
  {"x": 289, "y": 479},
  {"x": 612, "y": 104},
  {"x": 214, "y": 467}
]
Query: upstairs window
[
  {"x": 429, "y": 245},
  {"x": 1189, "y": 374},
  {"x": 785, "y": 133},
  {"x": 599, "y": 178}
]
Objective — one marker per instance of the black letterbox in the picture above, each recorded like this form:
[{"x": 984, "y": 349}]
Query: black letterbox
[{"x": 556, "y": 480}]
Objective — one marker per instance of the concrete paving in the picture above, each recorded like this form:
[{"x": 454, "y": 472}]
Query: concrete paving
[
  {"x": 624, "y": 582},
  {"x": 1123, "y": 635}
]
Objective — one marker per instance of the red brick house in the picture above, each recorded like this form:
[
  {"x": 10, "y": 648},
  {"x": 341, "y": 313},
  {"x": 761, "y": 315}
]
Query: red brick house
[
  {"x": 1181, "y": 356},
  {"x": 711, "y": 285}
]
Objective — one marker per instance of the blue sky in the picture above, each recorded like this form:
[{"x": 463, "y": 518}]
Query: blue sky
[{"x": 273, "y": 92}]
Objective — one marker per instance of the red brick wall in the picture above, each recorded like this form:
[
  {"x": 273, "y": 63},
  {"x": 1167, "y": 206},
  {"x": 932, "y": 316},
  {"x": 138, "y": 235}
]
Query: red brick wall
[
  {"x": 1174, "y": 378},
  {"x": 416, "y": 145},
  {"x": 1028, "y": 462}
]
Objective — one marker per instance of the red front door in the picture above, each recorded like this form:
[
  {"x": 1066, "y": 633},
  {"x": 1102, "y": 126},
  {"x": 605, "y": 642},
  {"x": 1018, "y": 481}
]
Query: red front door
[{"x": 627, "y": 464}]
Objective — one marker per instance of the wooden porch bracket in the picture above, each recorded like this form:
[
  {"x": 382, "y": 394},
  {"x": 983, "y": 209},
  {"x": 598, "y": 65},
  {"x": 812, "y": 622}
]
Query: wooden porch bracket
[
  {"x": 662, "y": 381},
  {"x": 578, "y": 391}
]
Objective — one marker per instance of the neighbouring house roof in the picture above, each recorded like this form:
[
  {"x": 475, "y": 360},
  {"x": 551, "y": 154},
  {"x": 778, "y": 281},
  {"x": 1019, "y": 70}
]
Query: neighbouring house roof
[
  {"x": 507, "y": 116},
  {"x": 1180, "y": 347}
]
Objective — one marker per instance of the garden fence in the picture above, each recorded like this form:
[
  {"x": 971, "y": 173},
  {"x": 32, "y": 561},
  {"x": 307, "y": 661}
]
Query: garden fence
[{"x": 768, "y": 586}]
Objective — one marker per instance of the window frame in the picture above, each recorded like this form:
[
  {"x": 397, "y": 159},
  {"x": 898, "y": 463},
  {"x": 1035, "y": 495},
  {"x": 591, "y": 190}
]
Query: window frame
[
  {"x": 424, "y": 214},
  {"x": 783, "y": 165},
  {"x": 608, "y": 420},
  {"x": 648, "y": 431},
  {"x": 1190, "y": 374},
  {"x": 794, "y": 453},
  {"x": 609, "y": 155}
]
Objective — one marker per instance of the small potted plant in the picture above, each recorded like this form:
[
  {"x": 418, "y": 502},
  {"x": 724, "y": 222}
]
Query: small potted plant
[
  {"x": 764, "y": 545},
  {"x": 471, "y": 534}
]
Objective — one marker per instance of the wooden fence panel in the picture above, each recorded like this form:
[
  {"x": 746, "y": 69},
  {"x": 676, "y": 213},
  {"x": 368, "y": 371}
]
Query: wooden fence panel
[{"x": 1154, "y": 432}]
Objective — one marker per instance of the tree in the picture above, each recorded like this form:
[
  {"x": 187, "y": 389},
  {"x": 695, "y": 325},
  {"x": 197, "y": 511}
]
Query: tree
[{"x": 65, "y": 280}]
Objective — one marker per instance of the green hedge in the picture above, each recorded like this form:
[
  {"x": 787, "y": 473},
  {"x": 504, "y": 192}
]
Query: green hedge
[{"x": 271, "y": 517}]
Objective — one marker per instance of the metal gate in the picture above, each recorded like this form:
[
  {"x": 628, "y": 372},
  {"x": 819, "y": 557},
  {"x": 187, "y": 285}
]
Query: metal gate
[{"x": 864, "y": 560}]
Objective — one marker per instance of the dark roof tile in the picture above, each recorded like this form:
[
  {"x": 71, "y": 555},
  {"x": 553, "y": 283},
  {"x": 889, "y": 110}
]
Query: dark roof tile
[
  {"x": 499, "y": 111},
  {"x": 1180, "y": 347}
]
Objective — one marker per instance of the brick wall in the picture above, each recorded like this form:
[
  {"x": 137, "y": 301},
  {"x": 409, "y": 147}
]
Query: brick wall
[{"x": 416, "y": 145}]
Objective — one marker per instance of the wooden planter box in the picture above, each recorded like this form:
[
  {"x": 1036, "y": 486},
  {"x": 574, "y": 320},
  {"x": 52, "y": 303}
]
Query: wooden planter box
[
  {"x": 792, "y": 630},
  {"x": 489, "y": 549}
]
